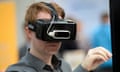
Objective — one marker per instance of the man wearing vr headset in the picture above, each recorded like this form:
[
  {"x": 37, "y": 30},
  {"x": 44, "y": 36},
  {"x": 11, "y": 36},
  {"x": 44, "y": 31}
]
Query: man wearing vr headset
[{"x": 46, "y": 27}]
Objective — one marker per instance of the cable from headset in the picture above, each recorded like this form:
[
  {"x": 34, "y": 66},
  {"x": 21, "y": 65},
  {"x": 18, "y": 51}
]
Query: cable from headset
[{"x": 50, "y": 25}]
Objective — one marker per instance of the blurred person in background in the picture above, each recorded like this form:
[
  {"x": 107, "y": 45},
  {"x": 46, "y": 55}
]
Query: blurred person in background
[
  {"x": 40, "y": 57},
  {"x": 102, "y": 37}
]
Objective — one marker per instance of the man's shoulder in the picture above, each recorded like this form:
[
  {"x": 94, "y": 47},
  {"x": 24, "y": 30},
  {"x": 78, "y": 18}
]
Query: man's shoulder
[{"x": 19, "y": 67}]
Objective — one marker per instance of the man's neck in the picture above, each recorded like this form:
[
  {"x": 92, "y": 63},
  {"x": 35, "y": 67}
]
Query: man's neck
[{"x": 44, "y": 57}]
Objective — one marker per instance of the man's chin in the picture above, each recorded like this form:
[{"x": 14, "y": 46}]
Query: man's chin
[{"x": 53, "y": 52}]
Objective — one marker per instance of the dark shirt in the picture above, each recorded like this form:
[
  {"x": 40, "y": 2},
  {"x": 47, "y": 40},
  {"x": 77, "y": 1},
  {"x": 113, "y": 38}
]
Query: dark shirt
[{"x": 30, "y": 63}]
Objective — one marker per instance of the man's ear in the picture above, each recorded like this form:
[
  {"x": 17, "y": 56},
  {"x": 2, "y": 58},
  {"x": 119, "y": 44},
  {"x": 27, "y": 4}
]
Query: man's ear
[{"x": 28, "y": 33}]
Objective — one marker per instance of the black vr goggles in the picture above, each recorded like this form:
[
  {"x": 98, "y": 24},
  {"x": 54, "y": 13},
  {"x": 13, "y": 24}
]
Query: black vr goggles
[{"x": 54, "y": 29}]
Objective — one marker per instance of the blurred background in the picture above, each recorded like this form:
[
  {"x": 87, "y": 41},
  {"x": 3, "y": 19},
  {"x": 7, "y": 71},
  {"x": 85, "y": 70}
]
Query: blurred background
[{"x": 88, "y": 14}]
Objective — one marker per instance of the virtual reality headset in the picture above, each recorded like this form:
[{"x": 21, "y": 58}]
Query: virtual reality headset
[
  {"x": 59, "y": 30},
  {"x": 54, "y": 29}
]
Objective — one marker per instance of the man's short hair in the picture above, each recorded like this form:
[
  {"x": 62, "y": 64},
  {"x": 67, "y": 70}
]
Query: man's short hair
[{"x": 35, "y": 8}]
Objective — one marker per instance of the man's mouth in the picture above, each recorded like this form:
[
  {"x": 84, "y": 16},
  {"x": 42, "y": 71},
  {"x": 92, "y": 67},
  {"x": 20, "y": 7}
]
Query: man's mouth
[
  {"x": 53, "y": 45},
  {"x": 52, "y": 41}
]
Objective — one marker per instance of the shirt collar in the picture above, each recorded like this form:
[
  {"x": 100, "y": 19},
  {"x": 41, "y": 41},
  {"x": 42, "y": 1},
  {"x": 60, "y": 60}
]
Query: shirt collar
[{"x": 39, "y": 64}]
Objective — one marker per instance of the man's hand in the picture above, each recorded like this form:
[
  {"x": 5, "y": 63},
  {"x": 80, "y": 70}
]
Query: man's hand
[{"x": 95, "y": 57}]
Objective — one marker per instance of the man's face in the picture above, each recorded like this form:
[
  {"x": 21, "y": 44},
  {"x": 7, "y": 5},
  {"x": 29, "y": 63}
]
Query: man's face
[{"x": 40, "y": 46}]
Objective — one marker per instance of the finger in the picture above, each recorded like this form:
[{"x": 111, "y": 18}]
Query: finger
[
  {"x": 106, "y": 51},
  {"x": 98, "y": 51},
  {"x": 98, "y": 57},
  {"x": 102, "y": 53}
]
